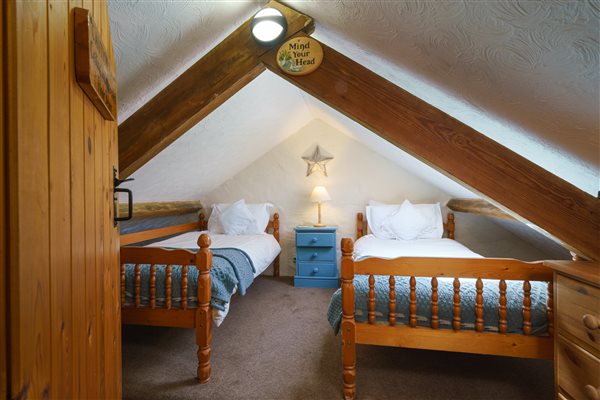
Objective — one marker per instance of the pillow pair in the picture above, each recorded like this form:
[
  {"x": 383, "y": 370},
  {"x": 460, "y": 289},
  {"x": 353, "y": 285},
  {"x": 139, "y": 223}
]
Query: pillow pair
[
  {"x": 406, "y": 221},
  {"x": 239, "y": 218}
]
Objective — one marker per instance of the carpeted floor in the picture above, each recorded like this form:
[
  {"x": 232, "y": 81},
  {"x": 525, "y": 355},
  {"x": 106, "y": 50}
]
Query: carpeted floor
[{"x": 276, "y": 344}]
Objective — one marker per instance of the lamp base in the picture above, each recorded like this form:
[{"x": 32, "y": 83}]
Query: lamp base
[{"x": 319, "y": 225}]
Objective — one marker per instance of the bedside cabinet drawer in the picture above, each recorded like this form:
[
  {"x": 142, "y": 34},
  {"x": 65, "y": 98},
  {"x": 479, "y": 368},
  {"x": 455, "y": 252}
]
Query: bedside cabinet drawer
[
  {"x": 578, "y": 370},
  {"x": 315, "y": 239},
  {"x": 579, "y": 311},
  {"x": 315, "y": 254},
  {"x": 323, "y": 270}
]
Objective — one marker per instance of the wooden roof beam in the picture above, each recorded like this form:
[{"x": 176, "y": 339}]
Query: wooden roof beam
[
  {"x": 161, "y": 208},
  {"x": 206, "y": 85},
  {"x": 479, "y": 207},
  {"x": 455, "y": 149}
]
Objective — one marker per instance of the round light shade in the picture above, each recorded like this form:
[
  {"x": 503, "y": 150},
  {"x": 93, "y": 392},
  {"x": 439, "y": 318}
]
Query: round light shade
[
  {"x": 319, "y": 194},
  {"x": 268, "y": 26}
]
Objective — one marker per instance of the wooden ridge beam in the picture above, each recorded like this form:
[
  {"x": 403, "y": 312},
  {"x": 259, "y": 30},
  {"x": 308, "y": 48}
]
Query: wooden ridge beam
[
  {"x": 479, "y": 207},
  {"x": 207, "y": 84},
  {"x": 161, "y": 209},
  {"x": 453, "y": 148}
]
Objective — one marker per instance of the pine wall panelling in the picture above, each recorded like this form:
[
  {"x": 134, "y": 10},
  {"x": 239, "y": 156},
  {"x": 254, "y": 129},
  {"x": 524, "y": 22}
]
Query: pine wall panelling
[
  {"x": 3, "y": 225},
  {"x": 65, "y": 318}
]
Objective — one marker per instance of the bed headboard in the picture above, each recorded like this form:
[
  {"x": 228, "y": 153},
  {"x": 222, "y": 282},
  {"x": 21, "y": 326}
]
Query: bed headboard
[
  {"x": 201, "y": 224},
  {"x": 362, "y": 227},
  {"x": 150, "y": 234},
  {"x": 273, "y": 226}
]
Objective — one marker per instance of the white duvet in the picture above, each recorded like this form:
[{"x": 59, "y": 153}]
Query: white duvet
[
  {"x": 261, "y": 248},
  {"x": 371, "y": 246}
]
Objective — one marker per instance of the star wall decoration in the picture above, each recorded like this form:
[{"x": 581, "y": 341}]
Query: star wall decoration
[{"x": 317, "y": 162}]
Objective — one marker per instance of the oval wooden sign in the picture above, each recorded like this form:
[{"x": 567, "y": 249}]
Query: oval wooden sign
[{"x": 300, "y": 56}]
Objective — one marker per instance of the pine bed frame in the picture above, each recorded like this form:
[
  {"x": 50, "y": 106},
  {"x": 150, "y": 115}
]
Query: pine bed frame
[
  {"x": 200, "y": 317},
  {"x": 432, "y": 338}
]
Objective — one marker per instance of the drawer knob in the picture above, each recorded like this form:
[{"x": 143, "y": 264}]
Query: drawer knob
[
  {"x": 591, "y": 392},
  {"x": 315, "y": 254},
  {"x": 590, "y": 322},
  {"x": 315, "y": 270},
  {"x": 313, "y": 240}
]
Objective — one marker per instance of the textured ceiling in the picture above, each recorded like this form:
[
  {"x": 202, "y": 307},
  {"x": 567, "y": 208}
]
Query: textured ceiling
[
  {"x": 525, "y": 73},
  {"x": 155, "y": 41},
  {"x": 233, "y": 136},
  {"x": 243, "y": 129}
]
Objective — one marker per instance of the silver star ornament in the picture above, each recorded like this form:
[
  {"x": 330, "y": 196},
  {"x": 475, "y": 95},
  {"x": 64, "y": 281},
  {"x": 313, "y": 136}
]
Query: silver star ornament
[{"x": 317, "y": 162}]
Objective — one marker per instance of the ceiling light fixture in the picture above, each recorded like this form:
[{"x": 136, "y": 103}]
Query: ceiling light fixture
[{"x": 268, "y": 26}]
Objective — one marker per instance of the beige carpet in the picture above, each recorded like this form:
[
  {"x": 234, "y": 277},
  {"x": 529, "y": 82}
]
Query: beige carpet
[{"x": 276, "y": 344}]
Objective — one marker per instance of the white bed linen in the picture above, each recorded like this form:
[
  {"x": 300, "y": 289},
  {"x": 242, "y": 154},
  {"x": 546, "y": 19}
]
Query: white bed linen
[
  {"x": 261, "y": 248},
  {"x": 371, "y": 246}
]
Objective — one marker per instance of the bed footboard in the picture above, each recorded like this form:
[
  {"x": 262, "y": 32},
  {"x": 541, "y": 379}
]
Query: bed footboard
[
  {"x": 523, "y": 345},
  {"x": 184, "y": 316}
]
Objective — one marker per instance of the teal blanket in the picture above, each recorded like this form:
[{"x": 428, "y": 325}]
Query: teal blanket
[
  {"x": 231, "y": 268},
  {"x": 491, "y": 296}
]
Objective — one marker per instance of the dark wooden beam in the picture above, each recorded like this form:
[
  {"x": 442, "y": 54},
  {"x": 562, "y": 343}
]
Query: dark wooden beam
[
  {"x": 455, "y": 149},
  {"x": 198, "y": 91},
  {"x": 161, "y": 209},
  {"x": 478, "y": 206}
]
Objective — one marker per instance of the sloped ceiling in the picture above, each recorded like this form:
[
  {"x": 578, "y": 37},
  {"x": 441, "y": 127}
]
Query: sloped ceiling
[
  {"x": 234, "y": 135},
  {"x": 527, "y": 74},
  {"x": 259, "y": 117}
]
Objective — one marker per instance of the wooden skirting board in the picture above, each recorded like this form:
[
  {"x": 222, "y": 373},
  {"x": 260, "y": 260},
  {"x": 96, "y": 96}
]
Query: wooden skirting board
[{"x": 161, "y": 209}]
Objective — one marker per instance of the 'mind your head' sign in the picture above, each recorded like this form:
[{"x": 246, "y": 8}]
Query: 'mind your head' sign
[{"x": 300, "y": 56}]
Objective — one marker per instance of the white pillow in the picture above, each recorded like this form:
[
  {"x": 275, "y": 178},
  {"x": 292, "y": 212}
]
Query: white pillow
[
  {"x": 260, "y": 211},
  {"x": 434, "y": 213},
  {"x": 237, "y": 218},
  {"x": 377, "y": 213},
  {"x": 406, "y": 223},
  {"x": 214, "y": 221},
  {"x": 376, "y": 216},
  {"x": 262, "y": 215}
]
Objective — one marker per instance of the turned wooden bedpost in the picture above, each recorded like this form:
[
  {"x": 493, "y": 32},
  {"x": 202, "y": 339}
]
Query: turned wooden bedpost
[
  {"x": 348, "y": 324},
  {"x": 202, "y": 223},
  {"x": 450, "y": 226},
  {"x": 203, "y": 312},
  {"x": 276, "y": 236},
  {"x": 360, "y": 225},
  {"x": 550, "y": 308}
]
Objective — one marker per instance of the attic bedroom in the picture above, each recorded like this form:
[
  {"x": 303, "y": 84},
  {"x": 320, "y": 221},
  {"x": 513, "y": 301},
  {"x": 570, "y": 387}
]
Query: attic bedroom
[{"x": 293, "y": 200}]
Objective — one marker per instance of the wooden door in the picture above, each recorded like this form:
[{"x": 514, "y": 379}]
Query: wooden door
[{"x": 64, "y": 335}]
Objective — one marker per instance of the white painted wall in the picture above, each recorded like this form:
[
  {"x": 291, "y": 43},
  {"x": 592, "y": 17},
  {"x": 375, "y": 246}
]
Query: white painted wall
[{"x": 356, "y": 174}]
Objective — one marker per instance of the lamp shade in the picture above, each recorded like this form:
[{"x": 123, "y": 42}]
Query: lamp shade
[
  {"x": 319, "y": 194},
  {"x": 268, "y": 26}
]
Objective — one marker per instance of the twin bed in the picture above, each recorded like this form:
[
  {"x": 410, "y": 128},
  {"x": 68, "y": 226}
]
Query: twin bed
[
  {"x": 430, "y": 293},
  {"x": 437, "y": 294},
  {"x": 188, "y": 280}
]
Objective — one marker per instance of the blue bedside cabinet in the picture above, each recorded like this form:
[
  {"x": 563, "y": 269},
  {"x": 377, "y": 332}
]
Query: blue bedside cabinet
[{"x": 316, "y": 257}]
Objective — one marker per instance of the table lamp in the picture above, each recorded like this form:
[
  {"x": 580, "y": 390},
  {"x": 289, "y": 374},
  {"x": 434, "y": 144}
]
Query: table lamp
[{"x": 319, "y": 194}]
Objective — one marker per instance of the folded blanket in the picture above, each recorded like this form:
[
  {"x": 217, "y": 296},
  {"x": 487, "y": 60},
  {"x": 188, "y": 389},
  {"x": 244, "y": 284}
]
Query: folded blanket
[
  {"x": 491, "y": 296},
  {"x": 231, "y": 269}
]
